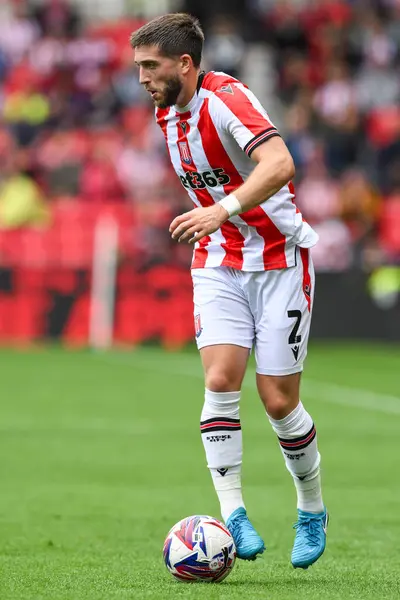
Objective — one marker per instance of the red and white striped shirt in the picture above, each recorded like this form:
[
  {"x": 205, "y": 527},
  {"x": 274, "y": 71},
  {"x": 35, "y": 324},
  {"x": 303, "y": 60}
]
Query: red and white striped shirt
[{"x": 210, "y": 142}]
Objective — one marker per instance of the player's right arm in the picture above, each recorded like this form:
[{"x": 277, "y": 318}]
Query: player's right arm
[
  {"x": 275, "y": 168},
  {"x": 239, "y": 113},
  {"x": 236, "y": 110}
]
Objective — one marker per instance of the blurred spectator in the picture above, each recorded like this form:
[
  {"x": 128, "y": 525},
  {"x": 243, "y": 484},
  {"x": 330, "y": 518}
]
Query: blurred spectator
[
  {"x": 389, "y": 223},
  {"x": 225, "y": 46},
  {"x": 295, "y": 78},
  {"x": 18, "y": 32},
  {"x": 334, "y": 251},
  {"x": 26, "y": 110},
  {"x": 99, "y": 181},
  {"x": 126, "y": 84},
  {"x": 390, "y": 228},
  {"x": 21, "y": 200},
  {"x": 336, "y": 96},
  {"x": 57, "y": 18},
  {"x": 298, "y": 138},
  {"x": 359, "y": 211},
  {"x": 59, "y": 159},
  {"x": 139, "y": 167},
  {"x": 378, "y": 83},
  {"x": 317, "y": 195},
  {"x": 284, "y": 28},
  {"x": 359, "y": 203}
]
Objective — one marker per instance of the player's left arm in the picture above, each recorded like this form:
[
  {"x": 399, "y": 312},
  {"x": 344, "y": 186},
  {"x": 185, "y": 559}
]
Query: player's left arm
[{"x": 274, "y": 169}]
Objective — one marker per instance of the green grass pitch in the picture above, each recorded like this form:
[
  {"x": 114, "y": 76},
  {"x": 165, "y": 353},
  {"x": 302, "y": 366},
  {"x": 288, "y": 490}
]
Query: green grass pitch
[{"x": 101, "y": 455}]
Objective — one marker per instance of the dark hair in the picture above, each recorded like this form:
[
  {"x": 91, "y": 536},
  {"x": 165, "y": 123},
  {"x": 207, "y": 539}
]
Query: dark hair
[{"x": 174, "y": 34}]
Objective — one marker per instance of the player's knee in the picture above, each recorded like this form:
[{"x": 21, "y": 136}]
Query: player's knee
[
  {"x": 220, "y": 381},
  {"x": 279, "y": 405},
  {"x": 280, "y": 395}
]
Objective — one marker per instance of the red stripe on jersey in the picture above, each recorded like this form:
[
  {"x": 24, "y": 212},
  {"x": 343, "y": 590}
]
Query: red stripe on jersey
[
  {"x": 238, "y": 103},
  {"x": 161, "y": 113},
  {"x": 274, "y": 241},
  {"x": 305, "y": 259},
  {"x": 233, "y": 257},
  {"x": 201, "y": 253},
  {"x": 208, "y": 134}
]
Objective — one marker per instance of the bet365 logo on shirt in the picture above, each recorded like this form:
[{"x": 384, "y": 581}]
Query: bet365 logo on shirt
[{"x": 198, "y": 181}]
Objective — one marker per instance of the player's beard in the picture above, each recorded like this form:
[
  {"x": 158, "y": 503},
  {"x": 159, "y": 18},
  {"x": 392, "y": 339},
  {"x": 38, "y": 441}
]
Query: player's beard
[{"x": 173, "y": 88}]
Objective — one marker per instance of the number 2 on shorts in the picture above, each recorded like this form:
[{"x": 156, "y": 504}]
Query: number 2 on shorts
[{"x": 293, "y": 337}]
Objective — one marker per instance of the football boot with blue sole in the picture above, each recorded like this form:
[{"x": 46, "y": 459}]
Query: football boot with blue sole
[
  {"x": 310, "y": 540},
  {"x": 247, "y": 541}
]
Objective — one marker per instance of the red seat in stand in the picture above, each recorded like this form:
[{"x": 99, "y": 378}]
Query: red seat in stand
[
  {"x": 136, "y": 318},
  {"x": 76, "y": 332}
]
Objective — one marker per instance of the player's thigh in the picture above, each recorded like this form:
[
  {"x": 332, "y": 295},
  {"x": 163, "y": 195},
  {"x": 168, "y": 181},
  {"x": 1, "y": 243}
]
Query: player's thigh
[
  {"x": 283, "y": 324},
  {"x": 222, "y": 313},
  {"x": 224, "y": 325}
]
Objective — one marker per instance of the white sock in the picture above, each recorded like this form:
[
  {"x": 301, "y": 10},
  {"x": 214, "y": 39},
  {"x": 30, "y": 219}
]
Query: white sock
[
  {"x": 298, "y": 440},
  {"x": 221, "y": 434}
]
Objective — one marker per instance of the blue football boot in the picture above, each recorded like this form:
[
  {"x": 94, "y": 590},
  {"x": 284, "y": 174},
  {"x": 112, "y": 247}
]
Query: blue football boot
[
  {"x": 310, "y": 540},
  {"x": 247, "y": 541}
]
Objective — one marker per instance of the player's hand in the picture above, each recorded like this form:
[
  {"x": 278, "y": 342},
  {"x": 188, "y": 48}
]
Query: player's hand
[{"x": 197, "y": 223}]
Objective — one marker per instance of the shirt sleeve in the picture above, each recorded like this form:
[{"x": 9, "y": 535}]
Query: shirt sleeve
[{"x": 242, "y": 115}]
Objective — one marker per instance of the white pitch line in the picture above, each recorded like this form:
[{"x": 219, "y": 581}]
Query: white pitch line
[{"x": 330, "y": 392}]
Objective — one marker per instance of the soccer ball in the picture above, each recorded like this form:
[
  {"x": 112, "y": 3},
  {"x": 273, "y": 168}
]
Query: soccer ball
[{"x": 199, "y": 548}]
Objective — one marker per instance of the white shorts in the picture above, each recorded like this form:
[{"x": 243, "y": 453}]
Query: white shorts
[{"x": 268, "y": 309}]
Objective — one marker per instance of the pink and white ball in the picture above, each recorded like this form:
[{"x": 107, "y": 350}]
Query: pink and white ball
[{"x": 199, "y": 548}]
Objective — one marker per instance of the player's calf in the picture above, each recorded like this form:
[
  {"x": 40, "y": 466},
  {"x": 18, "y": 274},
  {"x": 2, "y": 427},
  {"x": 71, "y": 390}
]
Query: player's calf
[{"x": 221, "y": 435}]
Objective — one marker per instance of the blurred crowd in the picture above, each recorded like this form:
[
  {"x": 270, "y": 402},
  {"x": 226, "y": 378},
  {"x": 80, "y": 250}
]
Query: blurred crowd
[{"x": 76, "y": 127}]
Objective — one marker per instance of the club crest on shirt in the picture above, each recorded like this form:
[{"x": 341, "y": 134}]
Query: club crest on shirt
[
  {"x": 197, "y": 325},
  {"x": 184, "y": 152}
]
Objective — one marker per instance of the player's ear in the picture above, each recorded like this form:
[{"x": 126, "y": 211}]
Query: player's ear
[{"x": 186, "y": 62}]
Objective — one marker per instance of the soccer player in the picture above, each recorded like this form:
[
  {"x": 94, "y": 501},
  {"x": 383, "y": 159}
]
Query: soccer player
[{"x": 252, "y": 272}]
